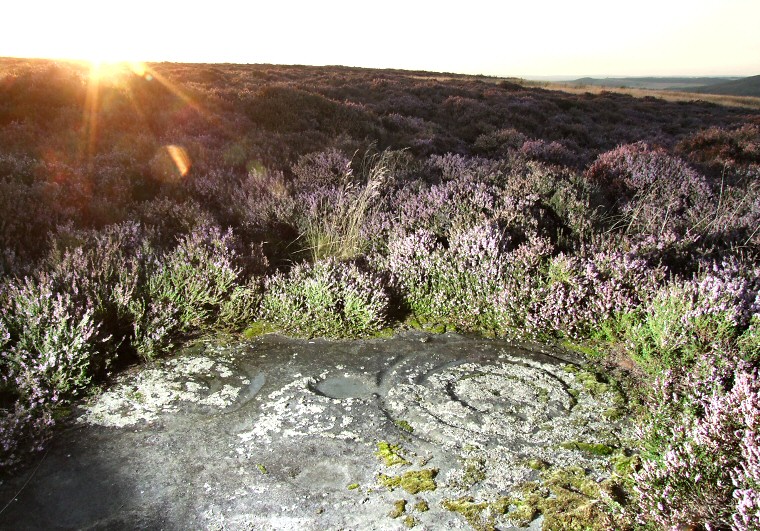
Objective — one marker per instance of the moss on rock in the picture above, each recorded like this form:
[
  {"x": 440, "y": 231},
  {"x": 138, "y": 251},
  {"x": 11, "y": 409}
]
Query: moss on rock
[
  {"x": 589, "y": 448},
  {"x": 390, "y": 454},
  {"x": 413, "y": 481},
  {"x": 404, "y": 425},
  {"x": 480, "y": 515},
  {"x": 258, "y": 328},
  {"x": 422, "y": 506},
  {"x": 567, "y": 498},
  {"x": 399, "y": 508}
]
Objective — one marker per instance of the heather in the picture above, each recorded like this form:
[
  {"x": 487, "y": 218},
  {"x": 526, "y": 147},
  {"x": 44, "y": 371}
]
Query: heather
[{"x": 338, "y": 202}]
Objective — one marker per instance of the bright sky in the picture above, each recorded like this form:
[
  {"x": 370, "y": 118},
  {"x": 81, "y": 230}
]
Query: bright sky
[{"x": 495, "y": 37}]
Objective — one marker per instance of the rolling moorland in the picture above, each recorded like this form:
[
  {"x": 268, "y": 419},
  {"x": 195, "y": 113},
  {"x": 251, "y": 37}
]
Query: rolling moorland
[
  {"x": 744, "y": 92},
  {"x": 712, "y": 85},
  {"x": 143, "y": 207}
]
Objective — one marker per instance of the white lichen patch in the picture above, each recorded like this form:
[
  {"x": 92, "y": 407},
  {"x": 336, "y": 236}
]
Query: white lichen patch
[
  {"x": 291, "y": 411},
  {"x": 508, "y": 413},
  {"x": 165, "y": 388},
  {"x": 222, "y": 398}
]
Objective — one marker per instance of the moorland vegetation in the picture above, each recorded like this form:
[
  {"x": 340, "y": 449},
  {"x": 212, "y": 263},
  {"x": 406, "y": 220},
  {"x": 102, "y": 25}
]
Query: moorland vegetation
[{"x": 144, "y": 207}]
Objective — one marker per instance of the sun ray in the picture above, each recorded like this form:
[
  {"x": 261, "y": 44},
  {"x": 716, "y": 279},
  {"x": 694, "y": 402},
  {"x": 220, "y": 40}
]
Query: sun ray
[
  {"x": 103, "y": 74},
  {"x": 91, "y": 106}
]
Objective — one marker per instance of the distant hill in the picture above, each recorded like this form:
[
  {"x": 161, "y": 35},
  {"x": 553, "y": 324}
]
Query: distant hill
[
  {"x": 748, "y": 86},
  {"x": 657, "y": 83}
]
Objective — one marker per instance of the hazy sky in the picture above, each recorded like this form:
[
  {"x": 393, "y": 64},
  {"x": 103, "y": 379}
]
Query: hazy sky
[{"x": 505, "y": 38}]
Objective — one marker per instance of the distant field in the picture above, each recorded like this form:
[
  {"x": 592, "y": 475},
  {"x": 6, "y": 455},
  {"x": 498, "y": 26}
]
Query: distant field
[
  {"x": 749, "y": 102},
  {"x": 655, "y": 83}
]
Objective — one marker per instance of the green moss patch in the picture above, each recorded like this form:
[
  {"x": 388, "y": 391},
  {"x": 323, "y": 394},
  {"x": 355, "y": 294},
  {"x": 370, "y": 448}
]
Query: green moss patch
[
  {"x": 413, "y": 481},
  {"x": 624, "y": 465},
  {"x": 390, "y": 454},
  {"x": 404, "y": 425},
  {"x": 481, "y": 516},
  {"x": 258, "y": 328},
  {"x": 438, "y": 328},
  {"x": 399, "y": 508},
  {"x": 421, "y": 506},
  {"x": 474, "y": 472},
  {"x": 537, "y": 464},
  {"x": 567, "y": 498},
  {"x": 614, "y": 413},
  {"x": 384, "y": 333},
  {"x": 420, "y": 322},
  {"x": 589, "y": 448}
]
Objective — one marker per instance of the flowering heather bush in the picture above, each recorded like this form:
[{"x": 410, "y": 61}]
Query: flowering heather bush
[
  {"x": 685, "y": 317},
  {"x": 48, "y": 340},
  {"x": 193, "y": 287},
  {"x": 454, "y": 284},
  {"x": 499, "y": 142},
  {"x": 703, "y": 468},
  {"x": 263, "y": 206},
  {"x": 53, "y": 338},
  {"x": 441, "y": 207},
  {"x": 25, "y": 425},
  {"x": 524, "y": 276},
  {"x": 650, "y": 192},
  {"x": 523, "y": 196},
  {"x": 162, "y": 219},
  {"x": 26, "y": 221},
  {"x": 718, "y": 146},
  {"x": 322, "y": 168},
  {"x": 551, "y": 152},
  {"x": 477, "y": 282},
  {"x": 328, "y": 298},
  {"x": 104, "y": 270},
  {"x": 579, "y": 293},
  {"x": 451, "y": 166}
]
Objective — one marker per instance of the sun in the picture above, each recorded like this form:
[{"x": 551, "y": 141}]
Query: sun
[
  {"x": 101, "y": 69},
  {"x": 111, "y": 58}
]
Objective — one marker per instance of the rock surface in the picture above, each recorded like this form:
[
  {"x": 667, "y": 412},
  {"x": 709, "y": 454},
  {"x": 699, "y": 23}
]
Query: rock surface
[{"x": 278, "y": 433}]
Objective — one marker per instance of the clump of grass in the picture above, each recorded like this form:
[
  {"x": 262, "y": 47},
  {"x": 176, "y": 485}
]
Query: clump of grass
[{"x": 334, "y": 227}]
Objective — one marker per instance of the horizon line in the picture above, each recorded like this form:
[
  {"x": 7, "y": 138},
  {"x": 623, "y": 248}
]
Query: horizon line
[{"x": 528, "y": 77}]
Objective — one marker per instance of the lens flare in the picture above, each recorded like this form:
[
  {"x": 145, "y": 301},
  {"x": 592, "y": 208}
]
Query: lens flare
[
  {"x": 180, "y": 158},
  {"x": 170, "y": 164}
]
